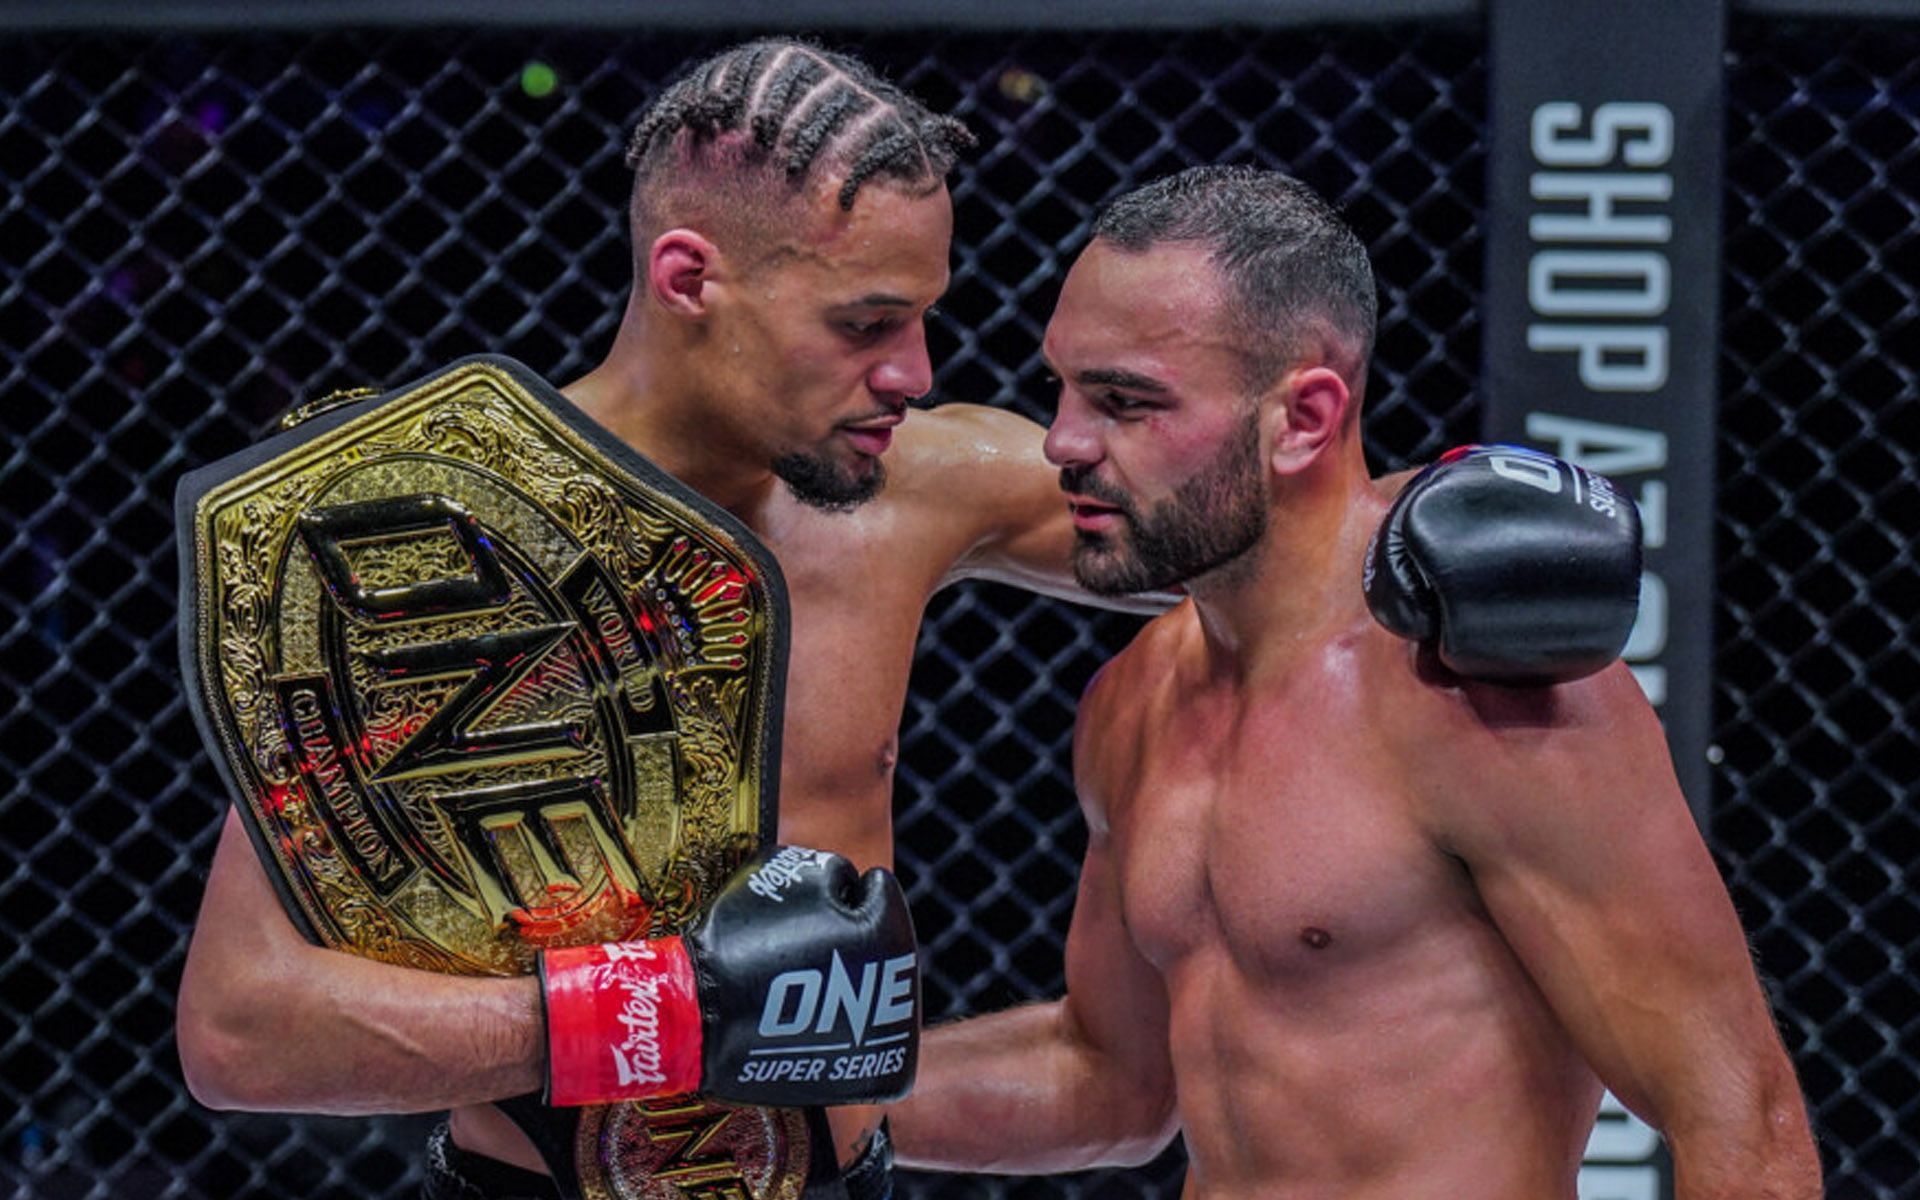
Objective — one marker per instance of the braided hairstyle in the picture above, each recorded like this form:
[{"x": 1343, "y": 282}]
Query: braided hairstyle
[{"x": 797, "y": 111}]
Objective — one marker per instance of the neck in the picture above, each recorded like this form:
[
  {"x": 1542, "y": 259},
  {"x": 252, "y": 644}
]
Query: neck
[
  {"x": 643, "y": 394},
  {"x": 1302, "y": 578}
]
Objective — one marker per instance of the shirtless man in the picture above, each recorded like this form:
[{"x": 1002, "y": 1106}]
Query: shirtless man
[
  {"x": 1361, "y": 928},
  {"x": 791, "y": 229},
  {"x": 773, "y": 339}
]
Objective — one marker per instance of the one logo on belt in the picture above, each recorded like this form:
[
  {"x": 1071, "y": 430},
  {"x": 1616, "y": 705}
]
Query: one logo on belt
[{"x": 448, "y": 654}]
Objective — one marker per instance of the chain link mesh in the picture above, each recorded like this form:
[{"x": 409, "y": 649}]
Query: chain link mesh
[
  {"x": 198, "y": 232},
  {"x": 1817, "y": 671}
]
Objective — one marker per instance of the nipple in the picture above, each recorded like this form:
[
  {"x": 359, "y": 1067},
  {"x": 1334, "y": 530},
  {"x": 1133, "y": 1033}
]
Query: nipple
[{"x": 1316, "y": 937}]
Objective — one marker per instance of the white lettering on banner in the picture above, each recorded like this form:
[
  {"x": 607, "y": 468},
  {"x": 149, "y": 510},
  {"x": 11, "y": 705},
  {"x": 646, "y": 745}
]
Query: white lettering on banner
[
  {"x": 1618, "y": 450},
  {"x": 1649, "y": 636},
  {"x": 1601, "y": 221},
  {"x": 1556, "y": 143},
  {"x": 1589, "y": 287},
  {"x": 1652, "y": 679},
  {"x": 1619, "y": 1136},
  {"x": 884, "y": 996},
  {"x": 1653, "y": 513},
  {"x": 1620, "y": 283},
  {"x": 1608, "y": 449},
  {"x": 1611, "y": 358},
  {"x": 1618, "y": 1183},
  {"x": 1619, "y": 1161}
]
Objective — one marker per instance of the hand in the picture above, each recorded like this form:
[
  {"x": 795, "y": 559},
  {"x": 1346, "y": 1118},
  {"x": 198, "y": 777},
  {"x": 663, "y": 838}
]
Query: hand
[
  {"x": 1512, "y": 565},
  {"x": 799, "y": 986}
]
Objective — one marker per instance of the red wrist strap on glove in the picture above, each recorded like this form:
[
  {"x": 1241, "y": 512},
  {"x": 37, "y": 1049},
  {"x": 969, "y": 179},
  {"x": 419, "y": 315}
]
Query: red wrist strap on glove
[{"x": 623, "y": 1022}]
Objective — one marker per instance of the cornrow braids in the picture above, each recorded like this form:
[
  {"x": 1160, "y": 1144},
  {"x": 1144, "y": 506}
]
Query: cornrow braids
[
  {"x": 799, "y": 109},
  {"x": 787, "y": 84},
  {"x": 822, "y": 123},
  {"x": 727, "y": 89}
]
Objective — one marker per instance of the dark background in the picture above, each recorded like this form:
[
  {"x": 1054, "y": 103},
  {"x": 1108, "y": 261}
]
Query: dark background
[{"x": 199, "y": 230}]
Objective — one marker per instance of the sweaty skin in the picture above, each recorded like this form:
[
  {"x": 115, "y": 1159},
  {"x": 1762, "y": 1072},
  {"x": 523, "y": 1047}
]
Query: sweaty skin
[
  {"x": 1383, "y": 975},
  {"x": 722, "y": 362},
  {"x": 821, "y": 353},
  {"x": 1361, "y": 929},
  {"x": 858, "y": 584}
]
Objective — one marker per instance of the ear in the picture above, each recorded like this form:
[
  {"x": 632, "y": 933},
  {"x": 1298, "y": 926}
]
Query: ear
[
  {"x": 680, "y": 264},
  {"x": 1311, "y": 411}
]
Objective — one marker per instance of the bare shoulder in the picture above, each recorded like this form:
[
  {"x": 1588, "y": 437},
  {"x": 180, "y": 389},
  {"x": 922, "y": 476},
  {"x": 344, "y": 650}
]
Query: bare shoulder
[
  {"x": 1119, "y": 707},
  {"x": 981, "y": 476},
  {"x": 1492, "y": 759},
  {"x": 971, "y": 446},
  {"x": 1560, "y": 719}
]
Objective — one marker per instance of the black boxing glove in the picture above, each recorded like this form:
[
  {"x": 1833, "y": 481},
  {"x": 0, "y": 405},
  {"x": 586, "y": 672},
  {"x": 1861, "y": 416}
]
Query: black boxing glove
[
  {"x": 1512, "y": 565},
  {"x": 800, "y": 985}
]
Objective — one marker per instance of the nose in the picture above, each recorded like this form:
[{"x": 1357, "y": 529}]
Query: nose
[
  {"x": 907, "y": 369},
  {"x": 1071, "y": 439}
]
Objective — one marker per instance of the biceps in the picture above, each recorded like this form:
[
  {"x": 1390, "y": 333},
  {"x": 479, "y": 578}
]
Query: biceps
[
  {"x": 1115, "y": 997},
  {"x": 1020, "y": 531},
  {"x": 1632, "y": 939},
  {"x": 1031, "y": 545},
  {"x": 241, "y": 922}
]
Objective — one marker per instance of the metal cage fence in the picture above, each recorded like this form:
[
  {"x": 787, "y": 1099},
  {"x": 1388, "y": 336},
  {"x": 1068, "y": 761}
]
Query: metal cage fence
[
  {"x": 199, "y": 231},
  {"x": 1816, "y": 668}
]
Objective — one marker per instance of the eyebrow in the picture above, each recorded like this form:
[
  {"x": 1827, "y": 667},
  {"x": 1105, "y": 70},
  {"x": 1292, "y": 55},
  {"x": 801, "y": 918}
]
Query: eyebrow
[
  {"x": 1133, "y": 381},
  {"x": 879, "y": 300}
]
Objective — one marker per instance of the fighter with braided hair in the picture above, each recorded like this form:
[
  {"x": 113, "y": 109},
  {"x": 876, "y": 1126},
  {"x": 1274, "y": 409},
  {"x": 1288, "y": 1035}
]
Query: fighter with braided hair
[
  {"x": 791, "y": 228},
  {"x": 872, "y": 127}
]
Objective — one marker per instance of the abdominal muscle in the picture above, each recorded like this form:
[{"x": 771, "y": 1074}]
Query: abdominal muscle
[{"x": 1441, "y": 1074}]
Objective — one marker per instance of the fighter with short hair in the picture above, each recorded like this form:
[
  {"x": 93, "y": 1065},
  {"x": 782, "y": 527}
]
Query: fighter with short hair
[
  {"x": 1356, "y": 924},
  {"x": 791, "y": 231}
]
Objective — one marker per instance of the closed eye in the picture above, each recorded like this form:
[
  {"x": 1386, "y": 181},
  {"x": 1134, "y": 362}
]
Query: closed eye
[
  {"x": 1122, "y": 404},
  {"x": 867, "y": 330}
]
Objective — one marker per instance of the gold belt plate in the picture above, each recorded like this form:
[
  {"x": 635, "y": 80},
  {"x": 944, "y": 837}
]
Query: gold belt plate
[{"x": 482, "y": 679}]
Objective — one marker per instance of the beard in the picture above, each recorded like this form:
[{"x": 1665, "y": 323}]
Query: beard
[
  {"x": 817, "y": 480},
  {"x": 1212, "y": 518}
]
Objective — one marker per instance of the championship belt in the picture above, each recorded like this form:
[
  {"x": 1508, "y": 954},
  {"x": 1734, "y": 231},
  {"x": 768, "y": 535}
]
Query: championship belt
[{"x": 484, "y": 681}]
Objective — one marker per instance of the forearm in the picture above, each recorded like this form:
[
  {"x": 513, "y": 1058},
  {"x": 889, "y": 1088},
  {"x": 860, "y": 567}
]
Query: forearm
[
  {"x": 1766, "y": 1153},
  {"x": 268, "y": 1022},
  {"x": 1022, "y": 1092},
  {"x": 325, "y": 1032}
]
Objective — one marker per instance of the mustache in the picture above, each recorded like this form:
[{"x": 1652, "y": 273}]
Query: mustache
[
  {"x": 1081, "y": 481},
  {"x": 880, "y": 414}
]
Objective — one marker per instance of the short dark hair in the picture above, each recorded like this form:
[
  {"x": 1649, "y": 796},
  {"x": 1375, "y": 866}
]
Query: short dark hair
[
  {"x": 1295, "y": 269},
  {"x": 791, "y": 107}
]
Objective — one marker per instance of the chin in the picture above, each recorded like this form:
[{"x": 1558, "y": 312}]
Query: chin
[
  {"x": 1105, "y": 570},
  {"x": 825, "y": 481}
]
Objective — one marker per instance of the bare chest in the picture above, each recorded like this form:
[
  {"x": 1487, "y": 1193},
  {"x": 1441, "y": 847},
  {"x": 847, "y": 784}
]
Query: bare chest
[
  {"x": 855, "y": 608},
  {"x": 1286, "y": 838}
]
